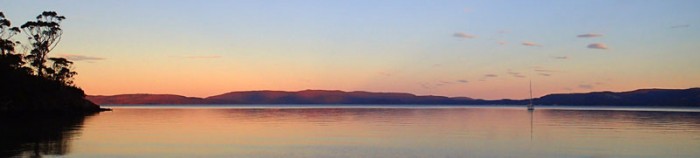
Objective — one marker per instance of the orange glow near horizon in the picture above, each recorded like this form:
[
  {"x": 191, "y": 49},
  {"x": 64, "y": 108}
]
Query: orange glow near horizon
[
  {"x": 420, "y": 47},
  {"x": 195, "y": 83}
]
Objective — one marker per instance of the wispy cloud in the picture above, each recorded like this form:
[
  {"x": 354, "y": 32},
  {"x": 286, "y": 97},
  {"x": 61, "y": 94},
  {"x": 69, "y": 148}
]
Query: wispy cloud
[
  {"x": 515, "y": 74},
  {"x": 76, "y": 57},
  {"x": 487, "y": 76},
  {"x": 502, "y": 42},
  {"x": 463, "y": 35},
  {"x": 560, "y": 57},
  {"x": 531, "y": 44},
  {"x": 545, "y": 74},
  {"x": 585, "y": 86},
  {"x": 597, "y": 46},
  {"x": 490, "y": 75},
  {"x": 545, "y": 70},
  {"x": 589, "y": 35},
  {"x": 440, "y": 83},
  {"x": 680, "y": 26}
]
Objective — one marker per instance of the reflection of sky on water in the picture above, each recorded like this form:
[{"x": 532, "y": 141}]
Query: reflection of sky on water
[{"x": 384, "y": 132}]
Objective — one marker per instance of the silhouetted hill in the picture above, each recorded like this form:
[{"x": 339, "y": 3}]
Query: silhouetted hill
[
  {"x": 327, "y": 97},
  {"x": 642, "y": 97},
  {"x": 145, "y": 99},
  {"x": 281, "y": 97}
]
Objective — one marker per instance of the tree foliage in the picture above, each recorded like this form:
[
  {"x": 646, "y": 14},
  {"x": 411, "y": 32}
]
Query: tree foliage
[
  {"x": 61, "y": 71},
  {"x": 7, "y": 45},
  {"x": 33, "y": 81},
  {"x": 44, "y": 34}
]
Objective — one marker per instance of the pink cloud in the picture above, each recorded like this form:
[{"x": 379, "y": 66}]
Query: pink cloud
[
  {"x": 597, "y": 46},
  {"x": 531, "y": 44},
  {"x": 463, "y": 35}
]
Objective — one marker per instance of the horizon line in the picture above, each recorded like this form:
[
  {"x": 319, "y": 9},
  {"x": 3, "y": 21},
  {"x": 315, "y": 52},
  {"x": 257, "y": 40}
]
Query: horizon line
[{"x": 140, "y": 93}]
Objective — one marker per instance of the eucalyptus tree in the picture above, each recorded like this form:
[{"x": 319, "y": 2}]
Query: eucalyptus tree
[
  {"x": 44, "y": 34},
  {"x": 61, "y": 71},
  {"x": 7, "y": 45}
]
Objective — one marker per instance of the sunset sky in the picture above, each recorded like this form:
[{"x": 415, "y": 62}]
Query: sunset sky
[{"x": 481, "y": 49}]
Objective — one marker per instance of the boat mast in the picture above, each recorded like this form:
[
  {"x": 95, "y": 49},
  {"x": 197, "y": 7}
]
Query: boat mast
[
  {"x": 530, "y": 92},
  {"x": 530, "y": 107}
]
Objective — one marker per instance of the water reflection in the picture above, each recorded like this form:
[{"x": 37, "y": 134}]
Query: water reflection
[
  {"x": 532, "y": 120},
  {"x": 616, "y": 119},
  {"x": 612, "y": 133},
  {"x": 386, "y": 132},
  {"x": 37, "y": 135},
  {"x": 323, "y": 114}
]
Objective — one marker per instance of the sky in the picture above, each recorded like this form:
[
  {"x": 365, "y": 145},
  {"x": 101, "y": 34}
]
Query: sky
[{"x": 481, "y": 49}]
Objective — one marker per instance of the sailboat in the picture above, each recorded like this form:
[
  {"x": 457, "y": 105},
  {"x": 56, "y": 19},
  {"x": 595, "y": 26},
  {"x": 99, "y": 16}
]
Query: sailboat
[{"x": 530, "y": 107}]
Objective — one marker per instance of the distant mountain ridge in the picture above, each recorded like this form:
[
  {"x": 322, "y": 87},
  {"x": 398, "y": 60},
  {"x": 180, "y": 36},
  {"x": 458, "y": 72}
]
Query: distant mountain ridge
[
  {"x": 641, "y": 97},
  {"x": 325, "y": 97},
  {"x": 145, "y": 99},
  {"x": 646, "y": 97},
  {"x": 281, "y": 97}
]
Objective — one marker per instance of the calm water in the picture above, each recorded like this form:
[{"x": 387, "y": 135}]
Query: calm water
[{"x": 357, "y": 132}]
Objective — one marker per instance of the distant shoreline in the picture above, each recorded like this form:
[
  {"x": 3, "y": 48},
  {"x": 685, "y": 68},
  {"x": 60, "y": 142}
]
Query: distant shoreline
[
  {"x": 337, "y": 106},
  {"x": 637, "y": 98}
]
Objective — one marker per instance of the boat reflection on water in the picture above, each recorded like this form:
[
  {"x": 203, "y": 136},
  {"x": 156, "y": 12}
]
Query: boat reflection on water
[{"x": 37, "y": 135}]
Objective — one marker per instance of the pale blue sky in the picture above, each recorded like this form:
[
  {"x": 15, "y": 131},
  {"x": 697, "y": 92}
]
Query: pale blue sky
[{"x": 201, "y": 48}]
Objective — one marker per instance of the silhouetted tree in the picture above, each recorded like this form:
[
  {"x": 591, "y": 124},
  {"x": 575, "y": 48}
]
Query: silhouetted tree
[
  {"x": 60, "y": 71},
  {"x": 51, "y": 88},
  {"x": 8, "y": 58},
  {"x": 44, "y": 34}
]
